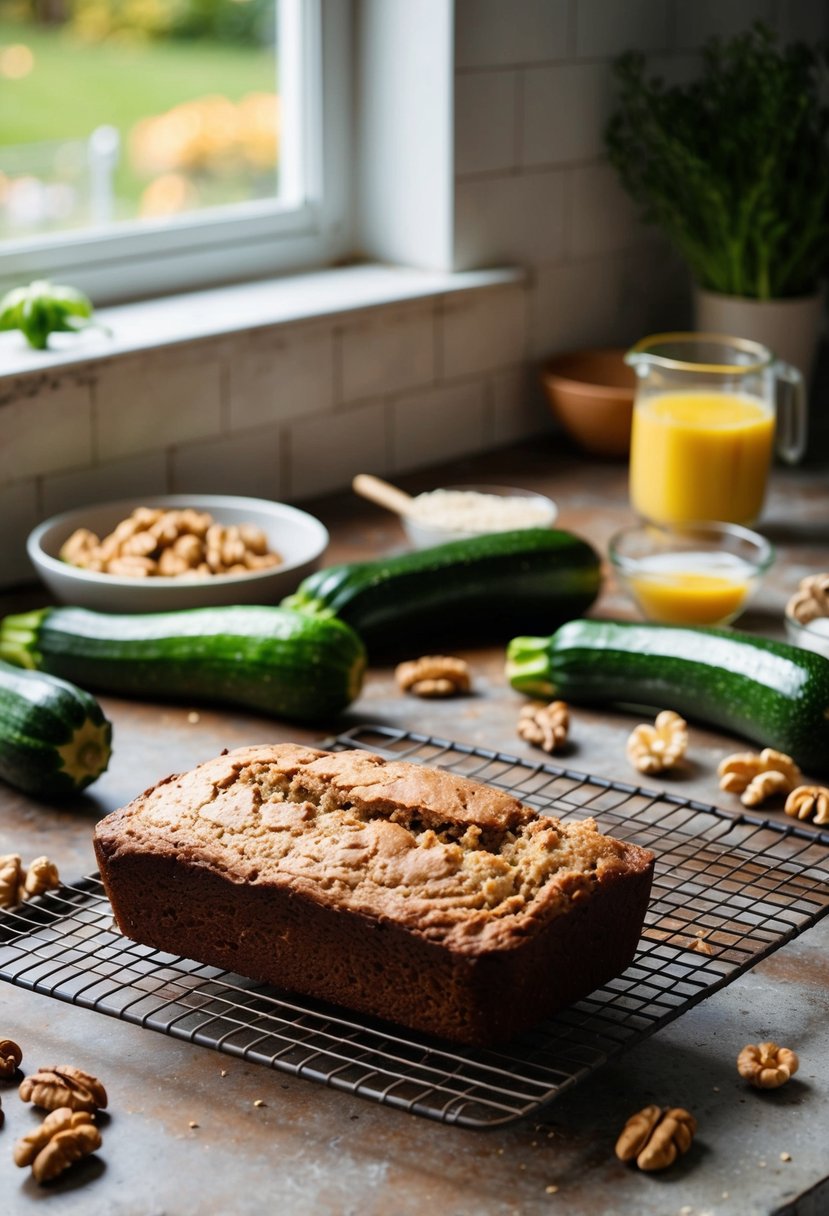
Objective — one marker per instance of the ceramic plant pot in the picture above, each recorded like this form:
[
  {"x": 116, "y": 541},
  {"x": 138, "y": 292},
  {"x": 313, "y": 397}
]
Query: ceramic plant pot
[{"x": 790, "y": 328}]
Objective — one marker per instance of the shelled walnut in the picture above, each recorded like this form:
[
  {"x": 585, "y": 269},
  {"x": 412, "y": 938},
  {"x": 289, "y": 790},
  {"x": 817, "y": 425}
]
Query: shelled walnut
[
  {"x": 64, "y": 1137},
  {"x": 809, "y": 802},
  {"x": 10, "y": 1057},
  {"x": 767, "y": 1066},
  {"x": 152, "y": 542},
  {"x": 654, "y": 1137},
  {"x": 811, "y": 600},
  {"x": 756, "y": 777},
  {"x": 19, "y": 883},
  {"x": 63, "y": 1085},
  {"x": 433, "y": 675},
  {"x": 651, "y": 749},
  {"x": 545, "y": 726}
]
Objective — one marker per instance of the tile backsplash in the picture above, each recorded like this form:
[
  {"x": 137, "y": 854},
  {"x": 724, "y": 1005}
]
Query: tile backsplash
[{"x": 288, "y": 412}]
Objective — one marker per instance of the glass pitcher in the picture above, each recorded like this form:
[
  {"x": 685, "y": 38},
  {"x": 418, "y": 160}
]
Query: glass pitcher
[{"x": 704, "y": 426}]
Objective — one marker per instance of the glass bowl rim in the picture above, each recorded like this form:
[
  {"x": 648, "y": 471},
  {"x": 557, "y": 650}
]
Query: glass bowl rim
[{"x": 713, "y": 528}]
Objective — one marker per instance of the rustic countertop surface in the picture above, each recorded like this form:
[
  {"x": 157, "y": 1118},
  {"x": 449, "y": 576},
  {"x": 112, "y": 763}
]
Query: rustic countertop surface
[{"x": 310, "y": 1150}]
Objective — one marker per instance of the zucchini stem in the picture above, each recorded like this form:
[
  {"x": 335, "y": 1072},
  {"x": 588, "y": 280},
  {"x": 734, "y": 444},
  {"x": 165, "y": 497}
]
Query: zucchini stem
[
  {"x": 18, "y": 637},
  {"x": 528, "y": 666}
]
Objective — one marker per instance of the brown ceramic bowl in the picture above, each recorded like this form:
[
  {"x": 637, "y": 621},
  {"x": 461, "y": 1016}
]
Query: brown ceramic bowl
[{"x": 591, "y": 394}]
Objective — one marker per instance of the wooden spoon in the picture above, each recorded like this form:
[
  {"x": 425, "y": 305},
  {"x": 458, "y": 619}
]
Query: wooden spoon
[{"x": 384, "y": 494}]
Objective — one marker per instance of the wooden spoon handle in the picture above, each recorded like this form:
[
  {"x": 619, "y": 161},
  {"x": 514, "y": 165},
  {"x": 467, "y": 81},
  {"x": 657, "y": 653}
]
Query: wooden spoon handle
[{"x": 385, "y": 495}]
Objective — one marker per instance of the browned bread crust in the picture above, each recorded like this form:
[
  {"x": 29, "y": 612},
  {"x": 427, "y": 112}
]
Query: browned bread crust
[{"x": 406, "y": 893}]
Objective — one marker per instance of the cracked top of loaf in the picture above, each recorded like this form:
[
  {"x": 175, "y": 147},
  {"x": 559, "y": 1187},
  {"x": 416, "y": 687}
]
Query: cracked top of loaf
[{"x": 443, "y": 856}]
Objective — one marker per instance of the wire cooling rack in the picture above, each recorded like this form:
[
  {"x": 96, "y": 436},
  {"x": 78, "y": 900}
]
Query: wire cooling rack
[{"x": 727, "y": 892}]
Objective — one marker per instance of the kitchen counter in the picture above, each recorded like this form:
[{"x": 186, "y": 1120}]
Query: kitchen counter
[{"x": 192, "y": 1131}]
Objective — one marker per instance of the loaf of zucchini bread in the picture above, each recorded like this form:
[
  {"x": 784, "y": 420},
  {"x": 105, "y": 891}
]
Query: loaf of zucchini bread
[{"x": 406, "y": 893}]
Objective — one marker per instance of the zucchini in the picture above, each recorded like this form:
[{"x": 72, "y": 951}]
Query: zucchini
[
  {"x": 258, "y": 657},
  {"x": 487, "y": 586},
  {"x": 54, "y": 738},
  {"x": 770, "y": 692}
]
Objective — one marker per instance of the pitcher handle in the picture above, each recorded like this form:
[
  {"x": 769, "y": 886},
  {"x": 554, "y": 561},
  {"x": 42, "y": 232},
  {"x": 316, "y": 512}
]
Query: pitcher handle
[{"x": 792, "y": 418}]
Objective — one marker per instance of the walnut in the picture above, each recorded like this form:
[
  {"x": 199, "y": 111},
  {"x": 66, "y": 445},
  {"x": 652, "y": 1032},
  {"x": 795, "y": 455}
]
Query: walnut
[
  {"x": 41, "y": 876},
  {"x": 545, "y": 725},
  {"x": 64, "y": 1137},
  {"x": 10, "y": 877},
  {"x": 651, "y": 749},
  {"x": 10, "y": 1057},
  {"x": 807, "y": 802},
  {"x": 179, "y": 543},
  {"x": 433, "y": 675},
  {"x": 656, "y": 1137},
  {"x": 757, "y": 777},
  {"x": 63, "y": 1085},
  {"x": 811, "y": 599},
  {"x": 767, "y": 1066}
]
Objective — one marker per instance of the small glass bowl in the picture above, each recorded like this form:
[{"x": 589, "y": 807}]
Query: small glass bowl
[
  {"x": 807, "y": 637},
  {"x": 690, "y": 574},
  {"x": 425, "y": 533}
]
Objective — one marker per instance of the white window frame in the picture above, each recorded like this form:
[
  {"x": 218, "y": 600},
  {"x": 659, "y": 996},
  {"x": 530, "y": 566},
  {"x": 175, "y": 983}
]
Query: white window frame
[{"x": 310, "y": 225}]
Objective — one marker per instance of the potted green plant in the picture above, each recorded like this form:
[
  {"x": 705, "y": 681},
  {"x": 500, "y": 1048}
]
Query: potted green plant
[{"x": 734, "y": 167}]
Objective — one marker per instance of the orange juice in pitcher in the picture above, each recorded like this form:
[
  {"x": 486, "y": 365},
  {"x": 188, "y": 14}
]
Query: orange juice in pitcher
[{"x": 704, "y": 427}]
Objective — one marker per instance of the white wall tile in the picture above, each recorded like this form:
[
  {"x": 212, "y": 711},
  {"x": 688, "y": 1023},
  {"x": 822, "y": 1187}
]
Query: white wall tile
[
  {"x": 609, "y": 301},
  {"x": 247, "y": 462},
  {"x": 387, "y": 352},
  {"x": 280, "y": 373},
  {"x": 609, "y": 27},
  {"x": 328, "y": 451},
  {"x": 494, "y": 32},
  {"x": 565, "y": 112},
  {"x": 49, "y": 429},
  {"x": 134, "y": 477},
  {"x": 485, "y": 117},
  {"x": 604, "y": 217},
  {"x": 18, "y": 515},
  {"x": 439, "y": 424},
  {"x": 506, "y": 220},
  {"x": 155, "y": 400},
  {"x": 697, "y": 21},
  {"x": 483, "y": 331},
  {"x": 518, "y": 407}
]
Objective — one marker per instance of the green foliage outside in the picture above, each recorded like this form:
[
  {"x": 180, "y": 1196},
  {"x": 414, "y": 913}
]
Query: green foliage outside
[
  {"x": 75, "y": 86},
  {"x": 734, "y": 167}
]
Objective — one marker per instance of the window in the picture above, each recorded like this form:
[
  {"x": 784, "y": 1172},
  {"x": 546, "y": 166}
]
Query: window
[{"x": 146, "y": 148}]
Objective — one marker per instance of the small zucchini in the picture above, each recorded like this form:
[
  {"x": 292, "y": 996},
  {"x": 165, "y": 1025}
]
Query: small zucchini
[
  {"x": 487, "y": 586},
  {"x": 261, "y": 658},
  {"x": 770, "y": 692},
  {"x": 54, "y": 738}
]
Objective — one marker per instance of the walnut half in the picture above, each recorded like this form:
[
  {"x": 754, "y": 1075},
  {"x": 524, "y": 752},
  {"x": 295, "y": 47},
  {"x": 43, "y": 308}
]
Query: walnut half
[
  {"x": 545, "y": 726},
  {"x": 651, "y": 749},
  {"x": 433, "y": 675},
  {"x": 809, "y": 802},
  {"x": 10, "y": 1057},
  {"x": 758, "y": 776},
  {"x": 63, "y": 1085},
  {"x": 64, "y": 1137},
  {"x": 655, "y": 1137},
  {"x": 767, "y": 1066}
]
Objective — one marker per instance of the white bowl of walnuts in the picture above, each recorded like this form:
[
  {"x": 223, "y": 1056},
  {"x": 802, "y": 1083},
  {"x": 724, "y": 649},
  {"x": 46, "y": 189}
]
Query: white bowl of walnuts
[{"x": 175, "y": 551}]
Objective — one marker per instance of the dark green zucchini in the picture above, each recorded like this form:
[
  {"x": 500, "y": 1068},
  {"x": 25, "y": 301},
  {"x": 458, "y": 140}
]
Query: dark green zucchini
[
  {"x": 262, "y": 658},
  {"x": 54, "y": 738},
  {"x": 489, "y": 586},
  {"x": 770, "y": 692}
]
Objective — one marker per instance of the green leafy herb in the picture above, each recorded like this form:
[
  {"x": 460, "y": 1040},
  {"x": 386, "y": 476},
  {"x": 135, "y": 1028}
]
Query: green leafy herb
[
  {"x": 45, "y": 308},
  {"x": 733, "y": 166}
]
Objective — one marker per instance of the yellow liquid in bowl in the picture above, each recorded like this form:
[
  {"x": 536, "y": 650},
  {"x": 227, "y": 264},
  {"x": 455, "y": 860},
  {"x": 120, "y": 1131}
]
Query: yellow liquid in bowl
[
  {"x": 700, "y": 455},
  {"x": 691, "y": 588}
]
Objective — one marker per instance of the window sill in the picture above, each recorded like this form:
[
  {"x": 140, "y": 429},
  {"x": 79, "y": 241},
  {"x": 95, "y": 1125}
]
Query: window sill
[{"x": 131, "y": 328}]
